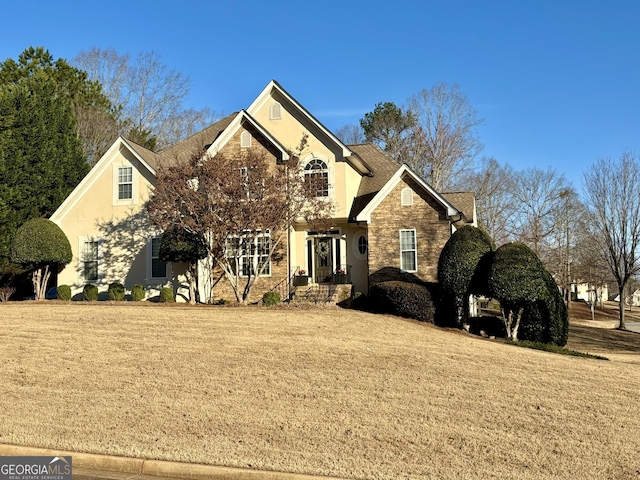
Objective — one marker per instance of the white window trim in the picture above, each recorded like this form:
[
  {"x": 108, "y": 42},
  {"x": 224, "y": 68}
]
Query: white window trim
[
  {"x": 149, "y": 267},
  {"x": 245, "y": 139},
  {"x": 415, "y": 249},
  {"x": 406, "y": 197},
  {"x": 330, "y": 172},
  {"x": 275, "y": 111},
  {"x": 81, "y": 241},
  {"x": 255, "y": 257},
  {"x": 134, "y": 185}
]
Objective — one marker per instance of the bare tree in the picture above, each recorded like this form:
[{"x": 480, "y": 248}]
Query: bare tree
[
  {"x": 443, "y": 142},
  {"x": 243, "y": 205},
  {"x": 539, "y": 206},
  {"x": 612, "y": 190},
  {"x": 147, "y": 94},
  {"x": 493, "y": 188},
  {"x": 351, "y": 134}
]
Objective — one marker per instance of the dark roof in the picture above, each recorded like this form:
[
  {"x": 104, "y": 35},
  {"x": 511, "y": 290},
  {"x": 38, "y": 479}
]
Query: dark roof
[
  {"x": 185, "y": 149},
  {"x": 463, "y": 201},
  {"x": 383, "y": 168}
]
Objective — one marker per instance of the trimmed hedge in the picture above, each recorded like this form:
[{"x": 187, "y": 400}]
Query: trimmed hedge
[
  {"x": 39, "y": 242},
  {"x": 64, "y": 292},
  {"x": 270, "y": 299},
  {"x": 90, "y": 293},
  {"x": 116, "y": 291},
  {"x": 412, "y": 300},
  {"x": 166, "y": 295},
  {"x": 138, "y": 293}
]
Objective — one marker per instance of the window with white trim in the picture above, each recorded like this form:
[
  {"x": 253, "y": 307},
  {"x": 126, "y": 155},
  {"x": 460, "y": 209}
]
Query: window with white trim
[
  {"x": 245, "y": 139},
  {"x": 406, "y": 197},
  {"x": 125, "y": 183},
  {"x": 90, "y": 260},
  {"x": 158, "y": 266},
  {"x": 275, "y": 111},
  {"x": 316, "y": 171},
  {"x": 408, "y": 251},
  {"x": 362, "y": 245},
  {"x": 248, "y": 254}
]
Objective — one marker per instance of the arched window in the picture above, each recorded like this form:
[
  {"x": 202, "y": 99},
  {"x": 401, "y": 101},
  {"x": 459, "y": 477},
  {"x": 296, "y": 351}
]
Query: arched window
[
  {"x": 406, "y": 196},
  {"x": 275, "y": 111},
  {"x": 245, "y": 139},
  {"x": 316, "y": 171}
]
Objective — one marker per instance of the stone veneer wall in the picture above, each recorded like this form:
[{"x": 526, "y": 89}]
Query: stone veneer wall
[{"x": 433, "y": 230}]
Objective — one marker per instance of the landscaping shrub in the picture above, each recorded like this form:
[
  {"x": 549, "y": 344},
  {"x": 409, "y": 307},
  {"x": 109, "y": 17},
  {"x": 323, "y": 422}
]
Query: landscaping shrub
[
  {"x": 166, "y": 295},
  {"x": 116, "y": 291},
  {"x": 406, "y": 299},
  {"x": 64, "y": 292},
  {"x": 90, "y": 293},
  {"x": 138, "y": 293},
  {"x": 270, "y": 299},
  {"x": 456, "y": 267}
]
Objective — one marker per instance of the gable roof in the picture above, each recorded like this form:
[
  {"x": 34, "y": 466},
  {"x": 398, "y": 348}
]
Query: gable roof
[
  {"x": 275, "y": 86},
  {"x": 465, "y": 202}
]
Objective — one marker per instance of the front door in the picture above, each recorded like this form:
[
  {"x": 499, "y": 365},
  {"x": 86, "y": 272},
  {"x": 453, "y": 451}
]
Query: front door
[{"x": 323, "y": 259}]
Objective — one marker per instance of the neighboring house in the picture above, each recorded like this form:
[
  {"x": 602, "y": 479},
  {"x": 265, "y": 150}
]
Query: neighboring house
[
  {"x": 388, "y": 223},
  {"x": 630, "y": 300},
  {"x": 590, "y": 292}
]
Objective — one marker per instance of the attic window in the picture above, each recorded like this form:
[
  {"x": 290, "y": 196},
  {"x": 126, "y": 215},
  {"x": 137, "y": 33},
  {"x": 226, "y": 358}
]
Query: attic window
[
  {"x": 406, "y": 197},
  {"x": 245, "y": 139},
  {"x": 275, "y": 111}
]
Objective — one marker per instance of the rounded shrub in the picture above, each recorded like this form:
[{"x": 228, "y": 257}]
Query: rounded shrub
[
  {"x": 456, "y": 267},
  {"x": 406, "y": 299},
  {"x": 270, "y": 299},
  {"x": 547, "y": 319},
  {"x": 39, "y": 242},
  {"x": 90, "y": 293},
  {"x": 116, "y": 291},
  {"x": 166, "y": 295},
  {"x": 137, "y": 293},
  {"x": 64, "y": 292}
]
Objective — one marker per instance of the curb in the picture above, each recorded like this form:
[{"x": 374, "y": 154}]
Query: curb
[{"x": 159, "y": 468}]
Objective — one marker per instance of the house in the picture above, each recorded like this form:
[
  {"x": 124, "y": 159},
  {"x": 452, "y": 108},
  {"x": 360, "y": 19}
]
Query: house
[
  {"x": 591, "y": 292},
  {"x": 388, "y": 223}
]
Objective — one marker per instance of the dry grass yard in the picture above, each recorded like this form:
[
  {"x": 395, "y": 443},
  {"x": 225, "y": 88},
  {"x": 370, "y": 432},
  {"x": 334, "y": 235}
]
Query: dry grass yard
[{"x": 320, "y": 391}]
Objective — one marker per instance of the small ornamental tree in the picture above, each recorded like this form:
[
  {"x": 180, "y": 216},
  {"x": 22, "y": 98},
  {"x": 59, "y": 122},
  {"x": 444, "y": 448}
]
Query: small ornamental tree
[
  {"x": 456, "y": 266},
  {"x": 41, "y": 245},
  {"x": 179, "y": 245},
  {"x": 517, "y": 280},
  {"x": 243, "y": 204}
]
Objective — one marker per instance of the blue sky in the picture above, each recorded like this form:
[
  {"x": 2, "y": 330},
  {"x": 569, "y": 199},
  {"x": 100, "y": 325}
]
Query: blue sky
[{"x": 555, "y": 81}]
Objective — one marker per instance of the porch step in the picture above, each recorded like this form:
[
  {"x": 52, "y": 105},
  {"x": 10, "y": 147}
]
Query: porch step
[{"x": 322, "y": 294}]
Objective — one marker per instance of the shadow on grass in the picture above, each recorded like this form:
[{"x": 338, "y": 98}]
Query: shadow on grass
[{"x": 587, "y": 339}]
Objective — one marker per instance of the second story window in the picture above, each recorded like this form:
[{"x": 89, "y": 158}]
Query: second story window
[
  {"x": 316, "y": 171},
  {"x": 125, "y": 183}
]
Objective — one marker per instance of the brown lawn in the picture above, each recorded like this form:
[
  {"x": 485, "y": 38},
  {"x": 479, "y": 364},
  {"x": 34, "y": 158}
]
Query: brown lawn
[{"x": 319, "y": 391}]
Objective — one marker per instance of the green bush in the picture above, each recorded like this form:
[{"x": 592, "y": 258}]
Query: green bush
[
  {"x": 40, "y": 242},
  {"x": 166, "y": 295},
  {"x": 64, "y": 292},
  {"x": 90, "y": 293},
  {"x": 137, "y": 293},
  {"x": 456, "y": 267},
  {"x": 406, "y": 299},
  {"x": 269, "y": 299},
  {"x": 547, "y": 319},
  {"x": 116, "y": 291}
]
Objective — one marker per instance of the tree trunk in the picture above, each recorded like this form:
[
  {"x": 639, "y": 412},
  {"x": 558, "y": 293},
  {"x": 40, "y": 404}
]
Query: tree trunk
[{"x": 621, "y": 288}]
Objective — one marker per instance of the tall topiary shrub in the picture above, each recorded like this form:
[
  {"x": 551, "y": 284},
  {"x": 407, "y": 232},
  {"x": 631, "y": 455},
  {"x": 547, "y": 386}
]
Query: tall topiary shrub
[
  {"x": 116, "y": 291},
  {"x": 179, "y": 245},
  {"x": 41, "y": 245},
  {"x": 456, "y": 266},
  {"x": 516, "y": 280},
  {"x": 90, "y": 293}
]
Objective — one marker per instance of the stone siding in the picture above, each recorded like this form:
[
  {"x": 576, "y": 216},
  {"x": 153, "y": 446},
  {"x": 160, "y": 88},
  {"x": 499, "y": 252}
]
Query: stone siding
[{"x": 432, "y": 228}]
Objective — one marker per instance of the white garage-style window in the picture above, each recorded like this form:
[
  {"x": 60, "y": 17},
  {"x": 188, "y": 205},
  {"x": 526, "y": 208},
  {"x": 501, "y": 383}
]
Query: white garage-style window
[
  {"x": 408, "y": 251},
  {"x": 316, "y": 171}
]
